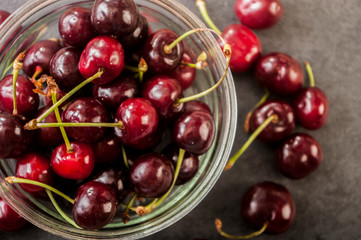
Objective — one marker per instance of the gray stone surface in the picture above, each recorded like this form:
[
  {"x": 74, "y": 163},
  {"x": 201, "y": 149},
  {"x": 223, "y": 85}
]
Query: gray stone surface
[{"x": 327, "y": 33}]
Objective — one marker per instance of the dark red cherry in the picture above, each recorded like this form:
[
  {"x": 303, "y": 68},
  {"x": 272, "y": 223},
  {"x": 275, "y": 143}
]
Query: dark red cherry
[
  {"x": 73, "y": 165},
  {"x": 195, "y": 105},
  {"x": 36, "y": 167},
  {"x": 137, "y": 38},
  {"x": 114, "y": 17},
  {"x": 277, "y": 129},
  {"x": 189, "y": 165},
  {"x": 279, "y": 73},
  {"x": 63, "y": 68},
  {"x": 114, "y": 93},
  {"x": 258, "y": 14},
  {"x": 115, "y": 178},
  {"x": 27, "y": 101},
  {"x": 160, "y": 62},
  {"x": 86, "y": 110},
  {"x": 75, "y": 27},
  {"x": 184, "y": 74},
  {"x": 151, "y": 175},
  {"x": 48, "y": 101},
  {"x": 140, "y": 120},
  {"x": 3, "y": 16},
  {"x": 311, "y": 107},
  {"x": 39, "y": 54},
  {"x": 49, "y": 137},
  {"x": 103, "y": 52},
  {"x": 270, "y": 203},
  {"x": 299, "y": 155},
  {"x": 107, "y": 150},
  {"x": 9, "y": 219},
  {"x": 246, "y": 47},
  {"x": 95, "y": 205},
  {"x": 194, "y": 132},
  {"x": 162, "y": 92}
]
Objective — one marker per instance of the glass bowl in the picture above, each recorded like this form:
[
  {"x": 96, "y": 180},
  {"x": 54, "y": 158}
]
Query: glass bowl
[{"x": 38, "y": 20}]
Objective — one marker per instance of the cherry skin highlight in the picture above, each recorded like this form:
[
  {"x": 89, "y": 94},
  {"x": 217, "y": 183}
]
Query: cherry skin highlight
[
  {"x": 137, "y": 38},
  {"x": 115, "y": 178},
  {"x": 9, "y": 219}
]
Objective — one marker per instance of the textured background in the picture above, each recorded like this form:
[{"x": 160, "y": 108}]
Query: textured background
[{"x": 327, "y": 33}]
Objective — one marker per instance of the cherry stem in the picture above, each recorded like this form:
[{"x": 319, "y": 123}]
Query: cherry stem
[
  {"x": 68, "y": 95},
  {"x": 142, "y": 210},
  {"x": 227, "y": 52},
  {"x": 310, "y": 74},
  {"x": 62, "y": 130},
  {"x": 18, "y": 64},
  {"x": 60, "y": 211},
  {"x": 126, "y": 163},
  {"x": 70, "y": 124},
  {"x": 200, "y": 64},
  {"x": 263, "y": 99},
  {"x": 218, "y": 224},
  {"x": 38, "y": 71},
  {"x": 254, "y": 135},
  {"x": 203, "y": 10},
  {"x": 125, "y": 214},
  {"x": 13, "y": 179}
]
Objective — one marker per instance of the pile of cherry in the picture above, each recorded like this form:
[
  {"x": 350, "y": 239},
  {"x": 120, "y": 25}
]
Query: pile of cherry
[{"x": 90, "y": 109}]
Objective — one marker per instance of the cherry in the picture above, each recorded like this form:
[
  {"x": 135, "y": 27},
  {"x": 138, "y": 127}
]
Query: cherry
[
  {"x": 62, "y": 68},
  {"x": 137, "y": 38},
  {"x": 279, "y": 73},
  {"x": 27, "y": 101},
  {"x": 194, "y": 131},
  {"x": 75, "y": 27},
  {"x": 9, "y": 219},
  {"x": 196, "y": 106},
  {"x": 59, "y": 94},
  {"x": 95, "y": 205},
  {"x": 299, "y": 155},
  {"x": 86, "y": 110},
  {"x": 77, "y": 164},
  {"x": 49, "y": 137},
  {"x": 162, "y": 92},
  {"x": 3, "y": 16},
  {"x": 34, "y": 166},
  {"x": 268, "y": 203},
  {"x": 160, "y": 61},
  {"x": 114, "y": 93},
  {"x": 151, "y": 175},
  {"x": 184, "y": 74},
  {"x": 115, "y": 178},
  {"x": 114, "y": 17},
  {"x": 102, "y": 52},
  {"x": 140, "y": 120},
  {"x": 39, "y": 55},
  {"x": 277, "y": 129},
  {"x": 258, "y": 14},
  {"x": 107, "y": 150}
]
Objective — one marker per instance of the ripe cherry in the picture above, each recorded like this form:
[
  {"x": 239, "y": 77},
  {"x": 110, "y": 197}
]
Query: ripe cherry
[
  {"x": 77, "y": 164},
  {"x": 137, "y": 38},
  {"x": 279, "y": 73},
  {"x": 49, "y": 137},
  {"x": 3, "y": 16},
  {"x": 115, "y": 178},
  {"x": 59, "y": 94},
  {"x": 196, "y": 106},
  {"x": 9, "y": 219},
  {"x": 258, "y": 14},
  {"x": 102, "y": 52},
  {"x": 34, "y": 166},
  {"x": 184, "y": 74},
  {"x": 107, "y": 150},
  {"x": 95, "y": 205},
  {"x": 299, "y": 155}
]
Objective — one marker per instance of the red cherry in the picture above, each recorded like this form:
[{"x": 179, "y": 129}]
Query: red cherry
[
  {"x": 197, "y": 106},
  {"x": 184, "y": 74},
  {"x": 107, "y": 150},
  {"x": 9, "y": 219},
  {"x": 49, "y": 137},
  {"x": 3, "y": 16}
]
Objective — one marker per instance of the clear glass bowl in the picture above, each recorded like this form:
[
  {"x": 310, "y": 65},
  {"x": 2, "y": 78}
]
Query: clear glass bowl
[{"x": 41, "y": 16}]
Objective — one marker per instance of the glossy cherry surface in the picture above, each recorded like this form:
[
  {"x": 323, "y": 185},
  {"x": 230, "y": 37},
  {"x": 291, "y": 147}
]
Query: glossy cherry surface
[
  {"x": 246, "y": 47},
  {"x": 311, "y": 106},
  {"x": 95, "y": 205},
  {"x": 9, "y": 219},
  {"x": 115, "y": 178},
  {"x": 40, "y": 54},
  {"x": 151, "y": 175},
  {"x": 49, "y": 137},
  {"x": 160, "y": 62},
  {"x": 184, "y": 74},
  {"x": 137, "y": 38},
  {"x": 277, "y": 129},
  {"x": 62, "y": 68},
  {"x": 299, "y": 155},
  {"x": 86, "y": 110},
  {"x": 258, "y": 14},
  {"x": 27, "y": 101},
  {"x": 102, "y": 52},
  {"x": 195, "y": 105},
  {"x": 194, "y": 132},
  {"x": 162, "y": 92},
  {"x": 3, "y": 16},
  {"x": 114, "y": 17},
  {"x": 140, "y": 120},
  {"x": 279, "y": 73},
  {"x": 268, "y": 202},
  {"x": 107, "y": 150},
  {"x": 75, "y": 27},
  {"x": 36, "y": 167},
  {"x": 73, "y": 165}
]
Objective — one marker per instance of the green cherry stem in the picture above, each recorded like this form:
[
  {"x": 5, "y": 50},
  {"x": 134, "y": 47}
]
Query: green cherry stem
[
  {"x": 60, "y": 211},
  {"x": 263, "y": 99},
  {"x": 125, "y": 158},
  {"x": 218, "y": 225},
  {"x": 125, "y": 214},
  {"x": 70, "y": 124},
  {"x": 203, "y": 10},
  {"x": 310, "y": 74},
  {"x": 254, "y": 135},
  {"x": 200, "y": 64},
  {"x": 13, "y": 179},
  {"x": 18, "y": 64}
]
